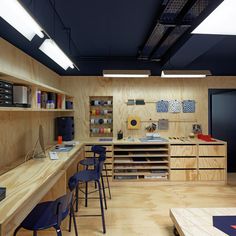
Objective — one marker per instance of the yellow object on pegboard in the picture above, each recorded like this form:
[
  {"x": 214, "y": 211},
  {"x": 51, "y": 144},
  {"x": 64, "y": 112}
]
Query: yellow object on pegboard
[{"x": 134, "y": 122}]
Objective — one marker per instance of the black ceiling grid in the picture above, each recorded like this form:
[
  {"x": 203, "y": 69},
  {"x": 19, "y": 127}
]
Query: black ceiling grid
[
  {"x": 196, "y": 14},
  {"x": 175, "y": 21}
]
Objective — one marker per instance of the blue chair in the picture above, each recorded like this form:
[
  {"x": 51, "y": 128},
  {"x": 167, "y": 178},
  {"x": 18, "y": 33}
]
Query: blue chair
[
  {"x": 96, "y": 149},
  {"x": 86, "y": 176},
  {"x": 50, "y": 214}
]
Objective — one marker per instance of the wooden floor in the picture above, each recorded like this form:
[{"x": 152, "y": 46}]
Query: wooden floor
[{"x": 143, "y": 209}]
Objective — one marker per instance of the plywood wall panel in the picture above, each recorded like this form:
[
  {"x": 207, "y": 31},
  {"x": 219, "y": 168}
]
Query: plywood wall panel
[
  {"x": 151, "y": 89},
  {"x": 16, "y": 63}
]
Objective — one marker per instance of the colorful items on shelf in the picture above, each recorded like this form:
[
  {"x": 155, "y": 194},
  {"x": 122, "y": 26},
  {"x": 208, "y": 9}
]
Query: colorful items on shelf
[
  {"x": 101, "y": 116},
  {"x": 48, "y": 100}
]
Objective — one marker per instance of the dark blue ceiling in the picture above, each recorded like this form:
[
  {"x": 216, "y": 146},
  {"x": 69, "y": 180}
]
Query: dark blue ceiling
[{"x": 125, "y": 34}]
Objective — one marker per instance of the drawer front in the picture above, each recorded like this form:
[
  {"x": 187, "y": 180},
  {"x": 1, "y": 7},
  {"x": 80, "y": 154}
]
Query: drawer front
[
  {"x": 183, "y": 175},
  {"x": 212, "y": 162},
  {"x": 183, "y": 150},
  {"x": 90, "y": 154},
  {"x": 109, "y": 173},
  {"x": 180, "y": 163},
  {"x": 88, "y": 148},
  {"x": 209, "y": 175},
  {"x": 212, "y": 150}
]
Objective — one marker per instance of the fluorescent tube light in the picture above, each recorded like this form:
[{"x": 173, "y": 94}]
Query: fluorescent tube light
[
  {"x": 12, "y": 12},
  {"x": 126, "y": 73},
  {"x": 50, "y": 48},
  {"x": 221, "y": 21},
  {"x": 185, "y": 74}
]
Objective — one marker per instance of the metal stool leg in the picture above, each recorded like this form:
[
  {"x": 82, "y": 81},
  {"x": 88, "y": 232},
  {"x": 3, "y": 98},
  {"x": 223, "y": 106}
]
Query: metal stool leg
[
  {"x": 104, "y": 192},
  {"x": 58, "y": 230},
  {"x": 16, "y": 230},
  {"x": 74, "y": 220},
  {"x": 77, "y": 198},
  {"x": 86, "y": 194},
  {"x": 101, "y": 205},
  {"x": 108, "y": 184}
]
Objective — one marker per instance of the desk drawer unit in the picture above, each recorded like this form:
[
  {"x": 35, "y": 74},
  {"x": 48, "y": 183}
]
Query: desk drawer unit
[{"x": 212, "y": 162}]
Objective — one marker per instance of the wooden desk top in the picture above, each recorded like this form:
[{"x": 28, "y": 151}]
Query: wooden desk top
[
  {"x": 27, "y": 184},
  {"x": 198, "y": 221}
]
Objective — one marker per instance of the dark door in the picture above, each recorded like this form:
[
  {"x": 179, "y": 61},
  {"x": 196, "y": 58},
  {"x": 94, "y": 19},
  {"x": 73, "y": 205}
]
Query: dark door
[{"x": 222, "y": 120}]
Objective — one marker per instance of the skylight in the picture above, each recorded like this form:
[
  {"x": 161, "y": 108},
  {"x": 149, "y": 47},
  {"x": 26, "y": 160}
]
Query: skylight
[{"x": 221, "y": 21}]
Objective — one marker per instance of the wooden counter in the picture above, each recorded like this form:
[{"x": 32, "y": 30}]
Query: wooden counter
[
  {"x": 174, "y": 160},
  {"x": 28, "y": 183}
]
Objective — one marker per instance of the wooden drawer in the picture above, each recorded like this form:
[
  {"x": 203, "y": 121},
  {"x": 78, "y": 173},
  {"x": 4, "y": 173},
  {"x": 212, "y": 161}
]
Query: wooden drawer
[
  {"x": 212, "y": 162},
  {"x": 180, "y": 163},
  {"x": 212, "y": 150},
  {"x": 183, "y": 175},
  {"x": 90, "y": 154},
  {"x": 183, "y": 150},
  {"x": 109, "y": 173},
  {"x": 209, "y": 175},
  {"x": 88, "y": 148}
]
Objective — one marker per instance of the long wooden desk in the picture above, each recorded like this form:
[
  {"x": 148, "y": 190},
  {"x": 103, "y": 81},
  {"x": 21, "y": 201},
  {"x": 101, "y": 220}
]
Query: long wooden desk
[
  {"x": 28, "y": 183},
  {"x": 198, "y": 221}
]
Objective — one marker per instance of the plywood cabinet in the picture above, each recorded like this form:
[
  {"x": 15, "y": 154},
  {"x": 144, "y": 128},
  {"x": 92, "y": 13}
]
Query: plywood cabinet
[{"x": 199, "y": 162}]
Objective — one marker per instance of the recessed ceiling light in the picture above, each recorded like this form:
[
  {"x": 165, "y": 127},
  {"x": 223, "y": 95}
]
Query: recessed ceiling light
[
  {"x": 126, "y": 73},
  {"x": 13, "y": 13},
  {"x": 185, "y": 73},
  {"x": 221, "y": 21}
]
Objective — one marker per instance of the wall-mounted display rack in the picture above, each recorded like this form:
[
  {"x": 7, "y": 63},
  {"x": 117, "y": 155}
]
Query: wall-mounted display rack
[{"x": 101, "y": 116}]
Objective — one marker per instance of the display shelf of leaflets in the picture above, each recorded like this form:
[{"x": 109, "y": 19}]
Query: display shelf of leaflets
[
  {"x": 141, "y": 162},
  {"x": 40, "y": 97},
  {"x": 101, "y": 116}
]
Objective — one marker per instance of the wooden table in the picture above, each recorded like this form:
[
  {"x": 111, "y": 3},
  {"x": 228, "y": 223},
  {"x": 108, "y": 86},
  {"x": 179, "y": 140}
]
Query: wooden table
[
  {"x": 198, "y": 221},
  {"x": 31, "y": 182}
]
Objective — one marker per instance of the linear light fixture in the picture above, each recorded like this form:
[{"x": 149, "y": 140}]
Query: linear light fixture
[
  {"x": 126, "y": 73},
  {"x": 15, "y": 14},
  {"x": 221, "y": 21},
  {"x": 50, "y": 48},
  {"x": 185, "y": 73}
]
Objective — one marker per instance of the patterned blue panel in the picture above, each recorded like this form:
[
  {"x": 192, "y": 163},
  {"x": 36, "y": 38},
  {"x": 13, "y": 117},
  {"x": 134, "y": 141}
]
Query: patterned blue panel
[
  {"x": 162, "y": 106},
  {"x": 188, "y": 106},
  {"x": 175, "y": 106}
]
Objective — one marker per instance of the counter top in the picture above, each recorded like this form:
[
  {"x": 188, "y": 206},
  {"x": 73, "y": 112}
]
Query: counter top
[
  {"x": 137, "y": 141},
  {"x": 29, "y": 182}
]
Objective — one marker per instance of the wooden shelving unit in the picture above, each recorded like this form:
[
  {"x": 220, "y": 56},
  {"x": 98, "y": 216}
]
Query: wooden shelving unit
[
  {"x": 35, "y": 86},
  {"x": 105, "y": 128},
  {"x": 141, "y": 162}
]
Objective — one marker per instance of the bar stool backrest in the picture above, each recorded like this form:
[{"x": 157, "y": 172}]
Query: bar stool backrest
[
  {"x": 99, "y": 165},
  {"x": 97, "y": 149}
]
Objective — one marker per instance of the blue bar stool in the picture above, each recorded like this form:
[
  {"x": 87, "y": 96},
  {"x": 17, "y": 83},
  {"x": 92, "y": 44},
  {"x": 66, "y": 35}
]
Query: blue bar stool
[
  {"x": 86, "y": 176},
  {"x": 50, "y": 214},
  {"x": 96, "y": 149}
]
